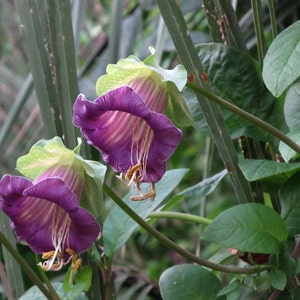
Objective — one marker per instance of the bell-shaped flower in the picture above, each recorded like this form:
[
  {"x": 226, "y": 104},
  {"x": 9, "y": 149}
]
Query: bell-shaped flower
[
  {"x": 127, "y": 122},
  {"x": 45, "y": 212},
  {"x": 133, "y": 139}
]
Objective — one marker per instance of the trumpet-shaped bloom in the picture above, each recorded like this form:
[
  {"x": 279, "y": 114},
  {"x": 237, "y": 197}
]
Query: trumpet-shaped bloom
[
  {"x": 45, "y": 213},
  {"x": 131, "y": 131}
]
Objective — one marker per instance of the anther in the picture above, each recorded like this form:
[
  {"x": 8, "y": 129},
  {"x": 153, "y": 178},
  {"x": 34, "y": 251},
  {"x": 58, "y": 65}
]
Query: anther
[{"x": 151, "y": 194}]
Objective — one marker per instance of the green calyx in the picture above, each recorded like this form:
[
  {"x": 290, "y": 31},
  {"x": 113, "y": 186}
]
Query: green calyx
[
  {"x": 48, "y": 153},
  {"x": 132, "y": 68}
]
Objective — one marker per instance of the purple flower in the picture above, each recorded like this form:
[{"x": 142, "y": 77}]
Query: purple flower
[
  {"x": 130, "y": 130},
  {"x": 45, "y": 213}
]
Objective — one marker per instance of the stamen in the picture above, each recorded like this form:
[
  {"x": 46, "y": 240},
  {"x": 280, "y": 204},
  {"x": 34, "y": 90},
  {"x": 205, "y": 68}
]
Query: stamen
[
  {"x": 47, "y": 255},
  {"x": 151, "y": 194},
  {"x": 54, "y": 261},
  {"x": 131, "y": 173},
  {"x": 76, "y": 262}
]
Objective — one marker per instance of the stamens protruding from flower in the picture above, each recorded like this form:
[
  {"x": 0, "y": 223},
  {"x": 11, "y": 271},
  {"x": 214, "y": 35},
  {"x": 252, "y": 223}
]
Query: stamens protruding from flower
[
  {"x": 131, "y": 174},
  {"x": 55, "y": 260},
  {"x": 151, "y": 194},
  {"x": 76, "y": 262}
]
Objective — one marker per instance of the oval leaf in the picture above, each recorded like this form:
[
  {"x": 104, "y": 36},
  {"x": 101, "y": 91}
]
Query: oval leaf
[
  {"x": 250, "y": 227},
  {"x": 282, "y": 61},
  {"x": 268, "y": 170},
  {"x": 189, "y": 282},
  {"x": 290, "y": 204},
  {"x": 286, "y": 152},
  {"x": 204, "y": 187},
  {"x": 292, "y": 106},
  {"x": 234, "y": 76}
]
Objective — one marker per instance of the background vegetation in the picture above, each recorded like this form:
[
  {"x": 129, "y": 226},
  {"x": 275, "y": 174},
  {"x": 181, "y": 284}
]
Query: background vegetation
[{"x": 105, "y": 31}]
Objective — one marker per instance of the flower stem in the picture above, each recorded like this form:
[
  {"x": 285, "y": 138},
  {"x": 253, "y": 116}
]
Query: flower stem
[
  {"x": 180, "y": 216},
  {"x": 171, "y": 245},
  {"x": 26, "y": 268},
  {"x": 247, "y": 116}
]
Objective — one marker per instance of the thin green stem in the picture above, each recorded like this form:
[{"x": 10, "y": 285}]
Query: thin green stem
[
  {"x": 171, "y": 245},
  {"x": 26, "y": 268},
  {"x": 38, "y": 59},
  {"x": 179, "y": 216},
  {"x": 230, "y": 20},
  {"x": 64, "y": 63},
  {"x": 115, "y": 31},
  {"x": 247, "y": 116},
  {"x": 259, "y": 29},
  {"x": 273, "y": 18}
]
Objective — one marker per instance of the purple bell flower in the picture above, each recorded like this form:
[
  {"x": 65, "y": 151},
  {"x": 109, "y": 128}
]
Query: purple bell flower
[
  {"x": 45, "y": 213},
  {"x": 131, "y": 131}
]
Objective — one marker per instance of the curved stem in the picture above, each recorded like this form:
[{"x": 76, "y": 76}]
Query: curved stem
[
  {"x": 29, "y": 272},
  {"x": 179, "y": 216},
  {"x": 247, "y": 116},
  {"x": 171, "y": 245}
]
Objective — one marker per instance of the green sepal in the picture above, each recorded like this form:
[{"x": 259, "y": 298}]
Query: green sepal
[
  {"x": 131, "y": 68},
  {"x": 43, "y": 155},
  {"x": 47, "y": 153}
]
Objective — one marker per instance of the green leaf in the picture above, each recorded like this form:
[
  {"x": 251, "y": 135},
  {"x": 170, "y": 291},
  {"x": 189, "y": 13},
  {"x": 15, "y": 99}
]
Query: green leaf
[
  {"x": 286, "y": 152},
  {"x": 267, "y": 170},
  {"x": 290, "y": 204},
  {"x": 292, "y": 106},
  {"x": 74, "y": 294},
  {"x": 231, "y": 287},
  {"x": 282, "y": 61},
  {"x": 118, "y": 226},
  {"x": 234, "y": 76},
  {"x": 201, "y": 189},
  {"x": 84, "y": 276},
  {"x": 287, "y": 264},
  {"x": 189, "y": 282},
  {"x": 205, "y": 187},
  {"x": 277, "y": 279},
  {"x": 250, "y": 227}
]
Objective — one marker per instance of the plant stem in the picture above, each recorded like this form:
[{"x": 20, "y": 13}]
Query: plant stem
[
  {"x": 38, "y": 58},
  {"x": 26, "y": 268},
  {"x": 171, "y": 245},
  {"x": 259, "y": 29},
  {"x": 175, "y": 22},
  {"x": 272, "y": 18},
  {"x": 64, "y": 63},
  {"x": 180, "y": 216},
  {"x": 247, "y": 116}
]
